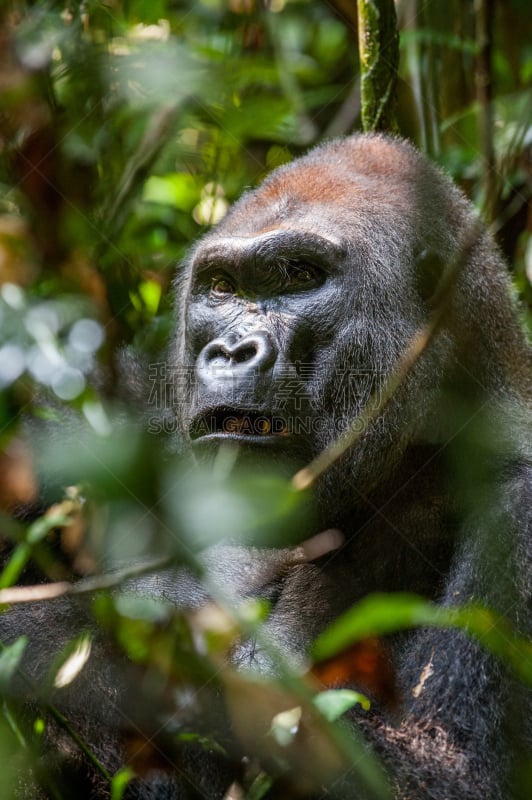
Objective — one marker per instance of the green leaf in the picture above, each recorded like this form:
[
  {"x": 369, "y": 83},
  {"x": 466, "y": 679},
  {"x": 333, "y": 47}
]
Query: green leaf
[
  {"x": 179, "y": 190},
  {"x": 335, "y": 702},
  {"x": 150, "y": 291},
  {"x": 120, "y": 782},
  {"x": 260, "y": 787},
  {"x": 10, "y": 658},
  {"x": 495, "y": 632},
  {"x": 143, "y": 607},
  {"x": 377, "y": 615},
  {"x": 381, "y": 614},
  {"x": 23, "y": 551},
  {"x": 248, "y": 506}
]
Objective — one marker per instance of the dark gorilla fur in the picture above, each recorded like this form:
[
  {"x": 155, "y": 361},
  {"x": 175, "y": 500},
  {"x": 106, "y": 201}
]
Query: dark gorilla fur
[{"x": 327, "y": 271}]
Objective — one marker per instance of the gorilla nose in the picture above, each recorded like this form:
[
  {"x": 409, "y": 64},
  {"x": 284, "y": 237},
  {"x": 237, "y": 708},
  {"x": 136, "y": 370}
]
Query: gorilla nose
[{"x": 223, "y": 358}]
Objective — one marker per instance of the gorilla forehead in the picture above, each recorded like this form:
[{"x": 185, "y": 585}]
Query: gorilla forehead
[{"x": 347, "y": 180}]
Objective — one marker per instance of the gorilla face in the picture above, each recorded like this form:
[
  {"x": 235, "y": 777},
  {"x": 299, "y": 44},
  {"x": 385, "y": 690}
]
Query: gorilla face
[
  {"x": 263, "y": 315},
  {"x": 297, "y": 307}
]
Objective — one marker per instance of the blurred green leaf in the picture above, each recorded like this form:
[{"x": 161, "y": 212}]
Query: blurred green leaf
[
  {"x": 177, "y": 189},
  {"x": 381, "y": 614},
  {"x": 377, "y": 615},
  {"x": 253, "y": 506},
  {"x": 10, "y": 658},
  {"x": 335, "y": 702},
  {"x": 23, "y": 551},
  {"x": 120, "y": 782}
]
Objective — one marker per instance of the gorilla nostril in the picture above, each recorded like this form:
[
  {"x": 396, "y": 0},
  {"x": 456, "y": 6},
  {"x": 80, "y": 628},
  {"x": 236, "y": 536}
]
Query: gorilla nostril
[
  {"x": 246, "y": 353},
  {"x": 217, "y": 352},
  {"x": 255, "y": 350}
]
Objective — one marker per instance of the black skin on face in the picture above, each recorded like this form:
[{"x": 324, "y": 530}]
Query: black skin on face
[
  {"x": 292, "y": 315},
  {"x": 256, "y": 305}
]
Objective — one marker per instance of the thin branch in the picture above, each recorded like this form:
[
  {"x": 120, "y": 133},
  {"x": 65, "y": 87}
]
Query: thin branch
[
  {"x": 309, "y": 550},
  {"x": 51, "y": 591}
]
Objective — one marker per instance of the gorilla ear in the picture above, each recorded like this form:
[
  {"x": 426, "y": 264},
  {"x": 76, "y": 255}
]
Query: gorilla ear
[{"x": 429, "y": 269}]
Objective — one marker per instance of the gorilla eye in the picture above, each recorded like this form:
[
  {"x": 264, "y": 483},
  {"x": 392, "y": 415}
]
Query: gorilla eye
[
  {"x": 301, "y": 276},
  {"x": 221, "y": 286}
]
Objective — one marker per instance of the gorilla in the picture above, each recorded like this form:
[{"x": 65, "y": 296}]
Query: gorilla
[{"x": 293, "y": 315}]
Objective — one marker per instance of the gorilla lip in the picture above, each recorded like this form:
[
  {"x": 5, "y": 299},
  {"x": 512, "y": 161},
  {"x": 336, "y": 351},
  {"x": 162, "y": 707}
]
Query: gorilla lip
[{"x": 227, "y": 422}]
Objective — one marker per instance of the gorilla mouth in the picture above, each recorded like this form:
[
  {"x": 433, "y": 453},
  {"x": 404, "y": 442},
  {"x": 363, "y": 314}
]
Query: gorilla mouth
[{"x": 235, "y": 424}]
